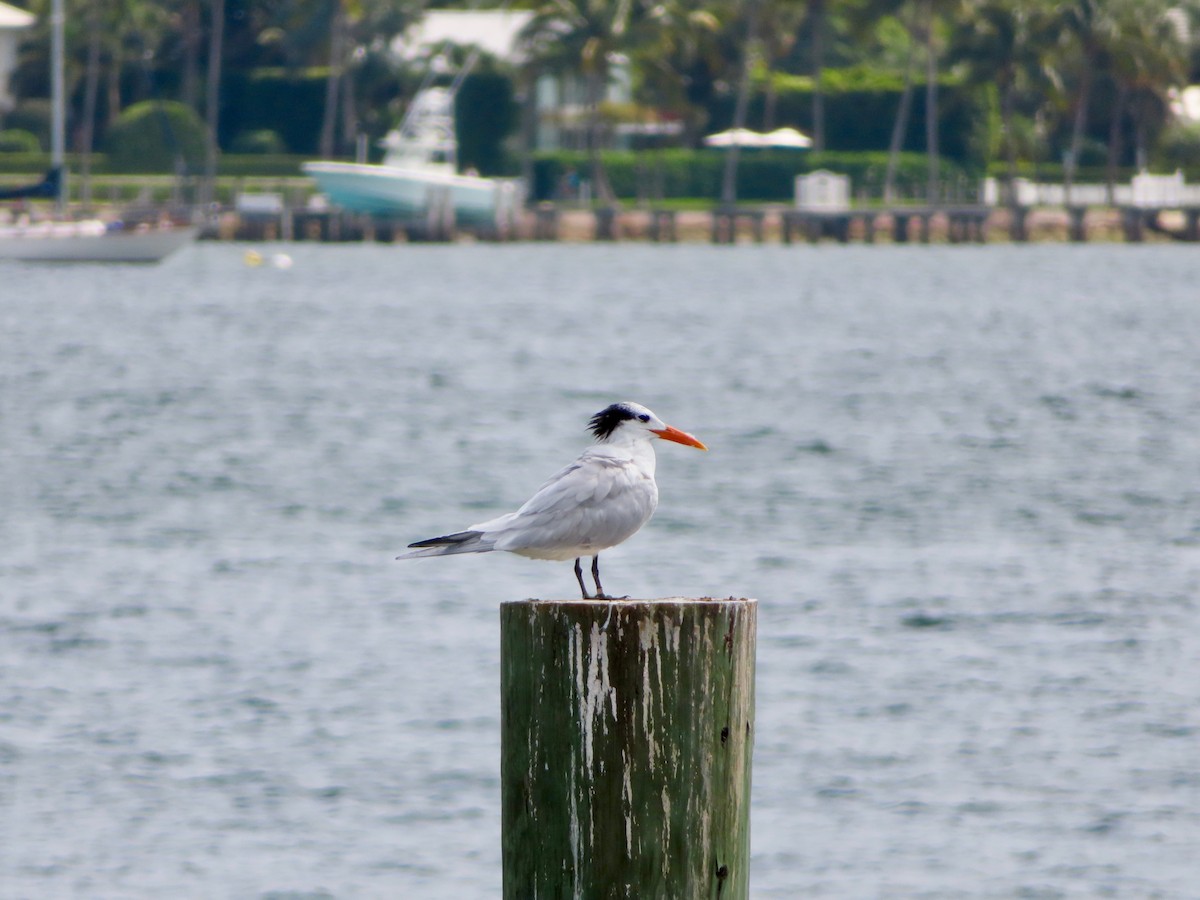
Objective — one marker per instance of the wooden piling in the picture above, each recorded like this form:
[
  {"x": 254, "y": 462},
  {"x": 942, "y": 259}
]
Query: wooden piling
[
  {"x": 662, "y": 226},
  {"x": 1077, "y": 224},
  {"x": 545, "y": 226},
  {"x": 724, "y": 225},
  {"x": 606, "y": 223},
  {"x": 626, "y": 741},
  {"x": 1191, "y": 227},
  {"x": 1133, "y": 223},
  {"x": 1018, "y": 226},
  {"x": 925, "y": 219}
]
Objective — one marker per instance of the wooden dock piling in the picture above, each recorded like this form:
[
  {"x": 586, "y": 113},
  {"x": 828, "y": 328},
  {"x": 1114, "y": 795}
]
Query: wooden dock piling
[
  {"x": 626, "y": 743},
  {"x": 1018, "y": 225},
  {"x": 1077, "y": 227},
  {"x": 545, "y": 223},
  {"x": 1133, "y": 223},
  {"x": 606, "y": 223},
  {"x": 662, "y": 226}
]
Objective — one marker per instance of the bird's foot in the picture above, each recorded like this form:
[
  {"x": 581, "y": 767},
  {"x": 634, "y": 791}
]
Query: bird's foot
[{"x": 609, "y": 597}]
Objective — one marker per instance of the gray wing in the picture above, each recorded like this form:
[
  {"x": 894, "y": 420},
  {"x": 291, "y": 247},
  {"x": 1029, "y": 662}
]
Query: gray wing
[{"x": 594, "y": 503}]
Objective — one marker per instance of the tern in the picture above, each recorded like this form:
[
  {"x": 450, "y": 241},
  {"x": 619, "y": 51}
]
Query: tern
[{"x": 596, "y": 502}]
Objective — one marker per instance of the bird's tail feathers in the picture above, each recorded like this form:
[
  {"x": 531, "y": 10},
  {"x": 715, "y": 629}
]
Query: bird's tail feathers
[{"x": 448, "y": 545}]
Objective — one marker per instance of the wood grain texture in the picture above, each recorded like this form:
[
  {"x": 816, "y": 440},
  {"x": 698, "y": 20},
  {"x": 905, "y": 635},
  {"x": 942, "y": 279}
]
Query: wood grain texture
[{"x": 626, "y": 739}]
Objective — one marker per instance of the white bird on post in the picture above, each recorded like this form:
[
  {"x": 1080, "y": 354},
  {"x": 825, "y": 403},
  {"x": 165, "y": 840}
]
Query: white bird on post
[{"x": 597, "y": 502}]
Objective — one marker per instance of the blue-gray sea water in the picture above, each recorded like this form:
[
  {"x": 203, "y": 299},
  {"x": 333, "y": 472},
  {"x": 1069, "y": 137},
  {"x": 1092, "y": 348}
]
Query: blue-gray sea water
[{"x": 963, "y": 482}]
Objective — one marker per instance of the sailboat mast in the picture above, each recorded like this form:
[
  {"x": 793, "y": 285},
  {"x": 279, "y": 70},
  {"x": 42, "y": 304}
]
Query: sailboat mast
[{"x": 58, "y": 101}]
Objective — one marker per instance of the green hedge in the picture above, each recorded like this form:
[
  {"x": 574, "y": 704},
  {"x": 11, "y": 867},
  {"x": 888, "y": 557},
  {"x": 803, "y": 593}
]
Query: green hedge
[
  {"x": 18, "y": 140},
  {"x": 267, "y": 166},
  {"x": 763, "y": 175},
  {"x": 250, "y": 165},
  {"x": 25, "y": 163}
]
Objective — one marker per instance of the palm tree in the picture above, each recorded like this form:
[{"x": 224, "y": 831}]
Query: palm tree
[
  {"x": 212, "y": 98},
  {"x": 338, "y": 28},
  {"x": 919, "y": 18},
  {"x": 1146, "y": 57},
  {"x": 187, "y": 17},
  {"x": 584, "y": 36},
  {"x": 816, "y": 13},
  {"x": 679, "y": 56},
  {"x": 904, "y": 108},
  {"x": 1086, "y": 28},
  {"x": 339, "y": 34},
  {"x": 729, "y": 177},
  {"x": 928, "y": 28},
  {"x": 779, "y": 23},
  {"x": 1005, "y": 45},
  {"x": 91, "y": 81}
]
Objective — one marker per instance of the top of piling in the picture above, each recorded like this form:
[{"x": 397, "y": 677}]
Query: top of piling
[{"x": 629, "y": 601}]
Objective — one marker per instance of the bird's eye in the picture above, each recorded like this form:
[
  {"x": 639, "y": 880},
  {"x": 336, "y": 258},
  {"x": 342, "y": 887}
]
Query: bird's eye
[{"x": 644, "y": 417}]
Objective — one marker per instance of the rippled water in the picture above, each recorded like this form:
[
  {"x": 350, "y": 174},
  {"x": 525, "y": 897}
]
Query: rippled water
[{"x": 964, "y": 484}]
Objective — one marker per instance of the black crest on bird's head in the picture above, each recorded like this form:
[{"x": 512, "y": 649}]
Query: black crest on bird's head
[{"x": 605, "y": 422}]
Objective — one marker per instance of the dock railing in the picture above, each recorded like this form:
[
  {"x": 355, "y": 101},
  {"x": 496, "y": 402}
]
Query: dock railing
[{"x": 1144, "y": 191}]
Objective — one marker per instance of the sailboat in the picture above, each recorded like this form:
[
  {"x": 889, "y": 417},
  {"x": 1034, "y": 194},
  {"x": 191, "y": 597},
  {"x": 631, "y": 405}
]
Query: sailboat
[{"x": 90, "y": 240}]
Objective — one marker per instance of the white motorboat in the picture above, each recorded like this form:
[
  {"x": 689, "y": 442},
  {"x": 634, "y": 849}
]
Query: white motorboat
[{"x": 418, "y": 176}]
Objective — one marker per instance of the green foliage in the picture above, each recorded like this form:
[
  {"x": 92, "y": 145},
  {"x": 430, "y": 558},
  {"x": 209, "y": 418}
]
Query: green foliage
[
  {"x": 32, "y": 116},
  {"x": 763, "y": 175},
  {"x": 860, "y": 111},
  {"x": 683, "y": 57},
  {"x": 485, "y": 114},
  {"x": 1180, "y": 146},
  {"x": 258, "y": 141},
  {"x": 289, "y": 103},
  {"x": 852, "y": 79},
  {"x": 17, "y": 140},
  {"x": 156, "y": 136}
]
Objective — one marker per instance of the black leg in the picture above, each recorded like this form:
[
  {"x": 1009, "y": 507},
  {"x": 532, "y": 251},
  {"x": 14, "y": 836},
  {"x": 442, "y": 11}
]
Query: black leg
[
  {"x": 600, "y": 595},
  {"x": 579, "y": 578}
]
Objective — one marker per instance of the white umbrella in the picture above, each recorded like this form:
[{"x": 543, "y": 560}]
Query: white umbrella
[
  {"x": 787, "y": 137},
  {"x": 744, "y": 137},
  {"x": 740, "y": 137}
]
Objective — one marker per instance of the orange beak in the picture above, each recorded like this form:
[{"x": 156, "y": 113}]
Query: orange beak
[{"x": 679, "y": 437}]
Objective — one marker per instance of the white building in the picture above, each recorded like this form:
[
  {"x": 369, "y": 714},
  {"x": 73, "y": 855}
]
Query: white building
[
  {"x": 12, "y": 22},
  {"x": 493, "y": 31}
]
